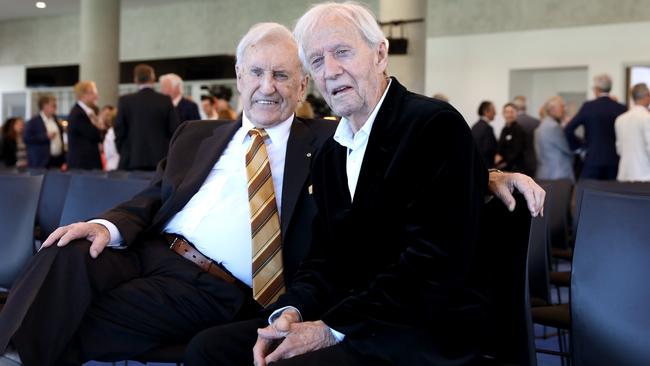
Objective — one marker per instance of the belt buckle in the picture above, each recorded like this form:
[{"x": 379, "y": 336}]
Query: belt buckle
[{"x": 171, "y": 246}]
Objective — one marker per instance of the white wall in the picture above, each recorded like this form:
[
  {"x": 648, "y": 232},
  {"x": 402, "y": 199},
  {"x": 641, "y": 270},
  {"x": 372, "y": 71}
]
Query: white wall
[
  {"x": 12, "y": 78},
  {"x": 471, "y": 68}
]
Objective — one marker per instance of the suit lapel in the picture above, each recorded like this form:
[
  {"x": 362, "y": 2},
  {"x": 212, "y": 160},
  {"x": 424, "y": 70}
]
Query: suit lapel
[
  {"x": 297, "y": 163},
  {"x": 207, "y": 155}
]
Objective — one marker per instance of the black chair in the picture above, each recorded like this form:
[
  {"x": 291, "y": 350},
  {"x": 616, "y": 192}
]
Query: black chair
[
  {"x": 18, "y": 202},
  {"x": 90, "y": 195},
  {"x": 50, "y": 205},
  {"x": 503, "y": 250},
  {"x": 118, "y": 174},
  {"x": 609, "y": 297},
  {"x": 141, "y": 174}
]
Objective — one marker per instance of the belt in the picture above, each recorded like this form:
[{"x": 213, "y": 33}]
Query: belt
[{"x": 186, "y": 250}]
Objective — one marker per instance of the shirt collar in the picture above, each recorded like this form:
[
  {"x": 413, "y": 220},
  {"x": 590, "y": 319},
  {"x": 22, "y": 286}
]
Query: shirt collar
[
  {"x": 277, "y": 134},
  {"x": 86, "y": 108},
  {"x": 177, "y": 100},
  {"x": 344, "y": 135},
  {"x": 45, "y": 118}
]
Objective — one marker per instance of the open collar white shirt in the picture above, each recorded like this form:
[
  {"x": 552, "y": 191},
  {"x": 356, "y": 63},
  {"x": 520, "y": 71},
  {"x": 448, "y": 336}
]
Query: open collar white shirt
[
  {"x": 56, "y": 144},
  {"x": 217, "y": 218},
  {"x": 356, "y": 143}
]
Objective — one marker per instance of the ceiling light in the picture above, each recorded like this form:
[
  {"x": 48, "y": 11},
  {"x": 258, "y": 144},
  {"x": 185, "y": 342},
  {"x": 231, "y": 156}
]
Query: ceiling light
[{"x": 41, "y": 4}]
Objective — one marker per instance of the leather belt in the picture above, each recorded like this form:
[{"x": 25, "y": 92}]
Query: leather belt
[{"x": 186, "y": 250}]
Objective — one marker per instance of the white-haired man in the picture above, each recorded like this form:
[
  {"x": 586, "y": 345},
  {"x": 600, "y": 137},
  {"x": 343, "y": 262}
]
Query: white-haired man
[
  {"x": 172, "y": 86},
  {"x": 554, "y": 158},
  {"x": 633, "y": 138},
  {"x": 597, "y": 116},
  {"x": 195, "y": 257},
  {"x": 399, "y": 189}
]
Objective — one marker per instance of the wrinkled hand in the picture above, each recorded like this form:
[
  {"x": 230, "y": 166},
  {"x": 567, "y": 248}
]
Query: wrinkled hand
[
  {"x": 97, "y": 234},
  {"x": 301, "y": 338},
  {"x": 503, "y": 184}
]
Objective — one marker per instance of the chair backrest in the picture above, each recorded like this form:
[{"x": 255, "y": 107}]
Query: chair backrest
[
  {"x": 609, "y": 293},
  {"x": 141, "y": 174},
  {"x": 90, "y": 195},
  {"x": 538, "y": 265},
  {"x": 18, "y": 202},
  {"x": 503, "y": 250},
  {"x": 50, "y": 205},
  {"x": 557, "y": 211},
  {"x": 640, "y": 188}
]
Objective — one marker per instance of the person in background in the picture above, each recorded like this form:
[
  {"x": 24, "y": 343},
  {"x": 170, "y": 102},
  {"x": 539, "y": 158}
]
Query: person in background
[
  {"x": 172, "y": 86},
  {"x": 528, "y": 123},
  {"x": 14, "y": 152},
  {"x": 43, "y": 136},
  {"x": 107, "y": 120},
  {"x": 304, "y": 110},
  {"x": 208, "y": 107},
  {"x": 554, "y": 158},
  {"x": 483, "y": 133},
  {"x": 633, "y": 138},
  {"x": 222, "y": 97},
  {"x": 598, "y": 117},
  {"x": 84, "y": 135},
  {"x": 512, "y": 143}
]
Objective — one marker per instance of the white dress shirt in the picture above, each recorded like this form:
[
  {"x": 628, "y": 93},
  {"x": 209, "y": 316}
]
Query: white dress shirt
[
  {"x": 356, "y": 143},
  {"x": 633, "y": 144},
  {"x": 56, "y": 146},
  {"x": 217, "y": 218}
]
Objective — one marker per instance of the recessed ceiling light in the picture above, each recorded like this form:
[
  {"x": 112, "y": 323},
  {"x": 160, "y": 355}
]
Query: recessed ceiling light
[{"x": 41, "y": 5}]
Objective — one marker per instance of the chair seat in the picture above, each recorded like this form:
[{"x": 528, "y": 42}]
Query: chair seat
[
  {"x": 556, "y": 316},
  {"x": 562, "y": 278}
]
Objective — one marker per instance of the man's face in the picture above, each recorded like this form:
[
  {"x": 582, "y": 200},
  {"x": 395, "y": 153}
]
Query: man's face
[
  {"x": 166, "y": 87},
  {"x": 206, "y": 106},
  {"x": 49, "y": 109},
  {"x": 509, "y": 114},
  {"x": 348, "y": 73},
  {"x": 270, "y": 81},
  {"x": 490, "y": 113},
  {"x": 91, "y": 96}
]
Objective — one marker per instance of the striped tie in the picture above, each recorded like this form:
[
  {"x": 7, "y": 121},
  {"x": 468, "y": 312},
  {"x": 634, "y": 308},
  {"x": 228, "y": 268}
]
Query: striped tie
[{"x": 268, "y": 278}]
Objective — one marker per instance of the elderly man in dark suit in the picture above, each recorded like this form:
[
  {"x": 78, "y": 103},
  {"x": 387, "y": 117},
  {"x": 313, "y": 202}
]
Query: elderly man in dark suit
[
  {"x": 483, "y": 133},
  {"x": 114, "y": 304},
  {"x": 597, "y": 117},
  {"x": 399, "y": 190},
  {"x": 83, "y": 135},
  {"x": 145, "y": 123},
  {"x": 43, "y": 136},
  {"x": 172, "y": 86},
  {"x": 529, "y": 124}
]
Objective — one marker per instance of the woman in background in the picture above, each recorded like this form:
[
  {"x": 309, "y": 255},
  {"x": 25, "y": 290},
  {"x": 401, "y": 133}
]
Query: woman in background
[{"x": 14, "y": 152}]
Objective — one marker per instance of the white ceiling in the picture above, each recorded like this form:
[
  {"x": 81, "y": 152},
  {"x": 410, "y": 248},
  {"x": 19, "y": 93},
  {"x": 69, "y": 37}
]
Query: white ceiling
[{"x": 14, "y": 9}]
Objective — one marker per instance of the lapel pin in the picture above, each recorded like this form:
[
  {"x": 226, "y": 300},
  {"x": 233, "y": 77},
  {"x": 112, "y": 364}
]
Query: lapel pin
[{"x": 309, "y": 155}]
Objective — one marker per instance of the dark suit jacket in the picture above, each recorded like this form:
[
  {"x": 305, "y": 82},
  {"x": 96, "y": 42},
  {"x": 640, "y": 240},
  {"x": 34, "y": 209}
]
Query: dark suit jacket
[
  {"x": 83, "y": 141},
  {"x": 512, "y": 147},
  {"x": 598, "y": 117},
  {"x": 529, "y": 124},
  {"x": 486, "y": 142},
  {"x": 391, "y": 268},
  {"x": 187, "y": 110},
  {"x": 144, "y": 125},
  {"x": 9, "y": 147},
  {"x": 193, "y": 151},
  {"x": 37, "y": 142}
]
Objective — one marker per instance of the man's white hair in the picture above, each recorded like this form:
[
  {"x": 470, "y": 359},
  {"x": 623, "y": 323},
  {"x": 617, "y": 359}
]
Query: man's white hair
[
  {"x": 603, "y": 82},
  {"x": 174, "y": 79},
  {"x": 259, "y": 32},
  {"x": 551, "y": 103},
  {"x": 358, "y": 15}
]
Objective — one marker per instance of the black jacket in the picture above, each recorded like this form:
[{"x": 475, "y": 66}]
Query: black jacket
[{"x": 83, "y": 141}]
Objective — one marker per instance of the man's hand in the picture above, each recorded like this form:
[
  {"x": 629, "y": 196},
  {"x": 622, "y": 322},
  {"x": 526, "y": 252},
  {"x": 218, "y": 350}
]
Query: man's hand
[
  {"x": 51, "y": 135},
  {"x": 302, "y": 338},
  {"x": 96, "y": 233},
  {"x": 271, "y": 336},
  {"x": 503, "y": 184}
]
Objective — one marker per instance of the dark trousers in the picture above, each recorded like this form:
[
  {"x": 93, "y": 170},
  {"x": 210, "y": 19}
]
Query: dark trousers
[
  {"x": 67, "y": 308},
  {"x": 232, "y": 345},
  {"x": 600, "y": 172}
]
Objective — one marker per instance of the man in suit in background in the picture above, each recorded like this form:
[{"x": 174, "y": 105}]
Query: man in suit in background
[
  {"x": 483, "y": 133},
  {"x": 84, "y": 135},
  {"x": 528, "y": 123},
  {"x": 172, "y": 86},
  {"x": 399, "y": 190},
  {"x": 554, "y": 158},
  {"x": 145, "y": 123},
  {"x": 633, "y": 138},
  {"x": 597, "y": 117},
  {"x": 43, "y": 136},
  {"x": 115, "y": 304}
]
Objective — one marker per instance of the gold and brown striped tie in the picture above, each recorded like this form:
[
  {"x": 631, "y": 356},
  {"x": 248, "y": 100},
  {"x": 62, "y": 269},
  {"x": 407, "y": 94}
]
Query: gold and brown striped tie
[{"x": 268, "y": 277}]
